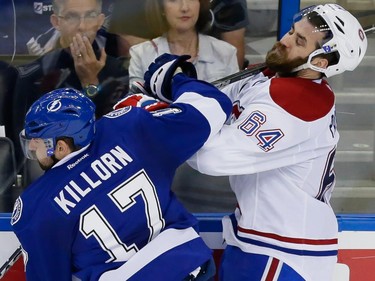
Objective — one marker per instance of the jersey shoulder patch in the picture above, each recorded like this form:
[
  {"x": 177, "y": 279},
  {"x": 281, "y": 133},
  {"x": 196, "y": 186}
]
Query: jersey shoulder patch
[
  {"x": 118, "y": 112},
  {"x": 303, "y": 98},
  {"x": 17, "y": 211}
]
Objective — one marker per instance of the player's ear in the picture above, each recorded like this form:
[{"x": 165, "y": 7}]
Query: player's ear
[
  {"x": 320, "y": 62},
  {"x": 62, "y": 149},
  {"x": 54, "y": 19}
]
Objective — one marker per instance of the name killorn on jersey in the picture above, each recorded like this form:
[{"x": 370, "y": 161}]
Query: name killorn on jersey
[{"x": 104, "y": 167}]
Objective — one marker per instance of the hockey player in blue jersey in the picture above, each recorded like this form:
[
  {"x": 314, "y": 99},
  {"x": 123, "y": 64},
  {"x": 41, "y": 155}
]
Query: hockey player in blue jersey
[{"x": 104, "y": 209}]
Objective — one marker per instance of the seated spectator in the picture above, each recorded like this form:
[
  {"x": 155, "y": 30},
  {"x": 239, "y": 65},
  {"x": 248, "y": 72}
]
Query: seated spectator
[
  {"x": 79, "y": 63},
  {"x": 229, "y": 24},
  {"x": 181, "y": 23},
  {"x": 25, "y": 27}
]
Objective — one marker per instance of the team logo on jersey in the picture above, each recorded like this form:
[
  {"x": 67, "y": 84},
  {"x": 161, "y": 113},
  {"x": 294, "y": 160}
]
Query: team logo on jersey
[
  {"x": 17, "y": 211},
  {"x": 118, "y": 112}
]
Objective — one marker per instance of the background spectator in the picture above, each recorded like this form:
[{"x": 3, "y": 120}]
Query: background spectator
[
  {"x": 25, "y": 27},
  {"x": 80, "y": 63},
  {"x": 181, "y": 23},
  {"x": 230, "y": 23},
  {"x": 227, "y": 21}
]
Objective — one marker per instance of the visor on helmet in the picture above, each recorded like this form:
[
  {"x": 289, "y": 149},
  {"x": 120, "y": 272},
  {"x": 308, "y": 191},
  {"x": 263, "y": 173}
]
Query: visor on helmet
[
  {"x": 316, "y": 20},
  {"x": 36, "y": 148}
]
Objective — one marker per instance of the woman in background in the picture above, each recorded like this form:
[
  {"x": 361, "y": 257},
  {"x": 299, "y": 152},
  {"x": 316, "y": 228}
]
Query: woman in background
[{"x": 182, "y": 23}]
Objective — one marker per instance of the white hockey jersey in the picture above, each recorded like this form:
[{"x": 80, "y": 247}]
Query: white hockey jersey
[{"x": 279, "y": 152}]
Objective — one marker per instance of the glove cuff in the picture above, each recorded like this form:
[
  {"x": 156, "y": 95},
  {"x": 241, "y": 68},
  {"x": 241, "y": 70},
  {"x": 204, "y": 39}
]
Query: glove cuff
[{"x": 156, "y": 88}]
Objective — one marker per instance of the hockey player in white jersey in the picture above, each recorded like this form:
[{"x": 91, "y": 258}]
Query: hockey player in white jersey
[
  {"x": 104, "y": 209},
  {"x": 279, "y": 151}
]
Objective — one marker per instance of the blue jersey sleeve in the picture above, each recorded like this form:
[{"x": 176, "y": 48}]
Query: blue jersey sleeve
[{"x": 199, "y": 111}]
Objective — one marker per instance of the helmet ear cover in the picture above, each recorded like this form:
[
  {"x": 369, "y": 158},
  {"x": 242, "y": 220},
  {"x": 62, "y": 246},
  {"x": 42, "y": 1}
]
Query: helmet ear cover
[{"x": 345, "y": 38}]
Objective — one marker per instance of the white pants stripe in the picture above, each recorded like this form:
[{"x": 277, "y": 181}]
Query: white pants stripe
[{"x": 169, "y": 238}]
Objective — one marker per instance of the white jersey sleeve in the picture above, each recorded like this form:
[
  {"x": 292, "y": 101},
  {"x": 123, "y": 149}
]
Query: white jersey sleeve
[{"x": 265, "y": 136}]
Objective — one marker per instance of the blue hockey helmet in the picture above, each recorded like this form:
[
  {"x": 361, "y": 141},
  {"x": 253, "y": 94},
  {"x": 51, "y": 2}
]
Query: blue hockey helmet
[{"x": 60, "y": 113}]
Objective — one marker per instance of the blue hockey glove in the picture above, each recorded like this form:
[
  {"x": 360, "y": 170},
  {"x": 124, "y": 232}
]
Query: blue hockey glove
[
  {"x": 141, "y": 100},
  {"x": 158, "y": 78}
]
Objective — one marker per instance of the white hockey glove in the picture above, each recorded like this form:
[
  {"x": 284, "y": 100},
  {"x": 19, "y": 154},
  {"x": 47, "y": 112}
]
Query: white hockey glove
[{"x": 159, "y": 76}]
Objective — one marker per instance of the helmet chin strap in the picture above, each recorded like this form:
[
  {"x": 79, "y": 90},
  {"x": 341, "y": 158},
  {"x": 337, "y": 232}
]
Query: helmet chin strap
[
  {"x": 301, "y": 67},
  {"x": 309, "y": 65}
]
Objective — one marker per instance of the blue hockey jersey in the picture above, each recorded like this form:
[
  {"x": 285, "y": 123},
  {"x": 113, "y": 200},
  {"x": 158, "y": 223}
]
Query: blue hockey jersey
[{"x": 109, "y": 206}]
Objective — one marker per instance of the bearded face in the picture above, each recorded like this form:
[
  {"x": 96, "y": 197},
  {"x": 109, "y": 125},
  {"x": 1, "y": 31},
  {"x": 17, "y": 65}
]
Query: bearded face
[{"x": 277, "y": 60}]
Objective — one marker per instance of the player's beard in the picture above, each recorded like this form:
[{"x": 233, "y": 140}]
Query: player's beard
[{"x": 277, "y": 61}]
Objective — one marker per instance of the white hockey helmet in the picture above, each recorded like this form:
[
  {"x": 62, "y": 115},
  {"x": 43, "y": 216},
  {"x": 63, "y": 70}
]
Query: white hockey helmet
[{"x": 347, "y": 38}]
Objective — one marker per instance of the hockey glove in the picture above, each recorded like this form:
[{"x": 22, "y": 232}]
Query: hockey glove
[
  {"x": 137, "y": 87},
  {"x": 141, "y": 100},
  {"x": 158, "y": 77}
]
